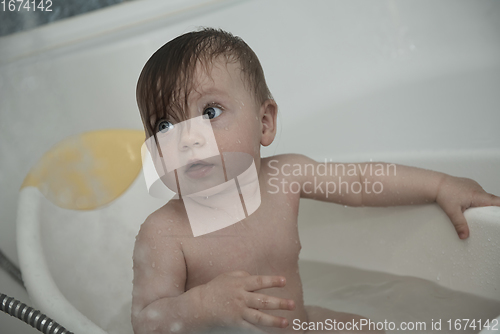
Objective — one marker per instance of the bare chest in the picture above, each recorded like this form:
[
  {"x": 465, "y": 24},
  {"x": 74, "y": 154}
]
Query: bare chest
[{"x": 266, "y": 243}]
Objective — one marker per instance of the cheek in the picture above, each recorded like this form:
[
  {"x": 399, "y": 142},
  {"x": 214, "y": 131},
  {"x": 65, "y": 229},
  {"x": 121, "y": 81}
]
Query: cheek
[
  {"x": 239, "y": 133},
  {"x": 237, "y": 140}
]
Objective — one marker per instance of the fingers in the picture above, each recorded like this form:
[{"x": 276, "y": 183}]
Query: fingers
[
  {"x": 478, "y": 200},
  {"x": 258, "y": 282},
  {"x": 252, "y": 328},
  {"x": 485, "y": 199},
  {"x": 460, "y": 223},
  {"x": 256, "y": 317},
  {"x": 239, "y": 273},
  {"x": 265, "y": 302}
]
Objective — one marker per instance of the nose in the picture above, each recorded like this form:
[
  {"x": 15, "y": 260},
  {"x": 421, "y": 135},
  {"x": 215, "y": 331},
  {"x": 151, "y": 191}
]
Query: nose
[{"x": 190, "y": 138}]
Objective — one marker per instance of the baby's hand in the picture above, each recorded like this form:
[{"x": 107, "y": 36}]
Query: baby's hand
[
  {"x": 455, "y": 195},
  {"x": 229, "y": 300}
]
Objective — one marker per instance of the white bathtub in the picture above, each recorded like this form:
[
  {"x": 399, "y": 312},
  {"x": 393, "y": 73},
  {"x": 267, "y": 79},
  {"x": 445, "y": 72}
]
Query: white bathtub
[{"x": 412, "y": 82}]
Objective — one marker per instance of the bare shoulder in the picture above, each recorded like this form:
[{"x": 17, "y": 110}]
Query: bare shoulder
[
  {"x": 169, "y": 220},
  {"x": 283, "y": 165},
  {"x": 283, "y": 159}
]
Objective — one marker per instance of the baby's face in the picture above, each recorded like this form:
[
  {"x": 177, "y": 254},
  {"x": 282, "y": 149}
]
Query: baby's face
[{"x": 223, "y": 117}]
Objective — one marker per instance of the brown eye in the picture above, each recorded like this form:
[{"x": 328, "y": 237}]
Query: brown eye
[
  {"x": 165, "y": 126},
  {"x": 212, "y": 112}
]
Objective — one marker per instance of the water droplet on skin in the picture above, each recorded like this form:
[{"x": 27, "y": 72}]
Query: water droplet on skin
[
  {"x": 153, "y": 264},
  {"x": 238, "y": 141},
  {"x": 159, "y": 232},
  {"x": 176, "y": 326},
  {"x": 169, "y": 228},
  {"x": 210, "y": 263},
  {"x": 226, "y": 128},
  {"x": 176, "y": 285},
  {"x": 153, "y": 314},
  {"x": 170, "y": 220}
]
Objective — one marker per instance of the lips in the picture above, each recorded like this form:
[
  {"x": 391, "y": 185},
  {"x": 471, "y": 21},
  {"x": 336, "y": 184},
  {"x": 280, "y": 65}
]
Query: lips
[{"x": 198, "y": 169}]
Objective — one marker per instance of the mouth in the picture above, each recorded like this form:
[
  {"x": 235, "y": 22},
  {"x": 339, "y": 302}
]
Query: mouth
[{"x": 198, "y": 169}]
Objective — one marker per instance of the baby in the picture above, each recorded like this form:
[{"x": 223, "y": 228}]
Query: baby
[{"x": 244, "y": 274}]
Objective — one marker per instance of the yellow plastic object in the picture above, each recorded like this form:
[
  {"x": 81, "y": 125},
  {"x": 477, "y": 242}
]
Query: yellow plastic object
[{"x": 89, "y": 170}]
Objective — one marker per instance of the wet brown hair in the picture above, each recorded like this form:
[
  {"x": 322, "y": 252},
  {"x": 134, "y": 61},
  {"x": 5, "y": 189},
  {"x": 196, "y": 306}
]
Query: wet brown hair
[{"x": 168, "y": 74}]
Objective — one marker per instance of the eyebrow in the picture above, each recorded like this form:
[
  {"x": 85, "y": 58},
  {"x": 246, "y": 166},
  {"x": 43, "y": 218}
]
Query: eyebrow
[{"x": 213, "y": 90}]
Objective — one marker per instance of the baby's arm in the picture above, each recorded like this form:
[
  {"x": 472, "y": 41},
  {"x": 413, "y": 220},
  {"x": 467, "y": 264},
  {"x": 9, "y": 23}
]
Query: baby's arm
[
  {"x": 158, "y": 298},
  {"x": 160, "y": 303},
  {"x": 402, "y": 185}
]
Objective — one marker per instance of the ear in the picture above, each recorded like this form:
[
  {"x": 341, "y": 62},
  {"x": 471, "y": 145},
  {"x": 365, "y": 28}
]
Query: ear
[{"x": 268, "y": 113}]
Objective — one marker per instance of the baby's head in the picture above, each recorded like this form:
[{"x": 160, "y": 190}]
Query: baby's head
[
  {"x": 209, "y": 72},
  {"x": 203, "y": 96}
]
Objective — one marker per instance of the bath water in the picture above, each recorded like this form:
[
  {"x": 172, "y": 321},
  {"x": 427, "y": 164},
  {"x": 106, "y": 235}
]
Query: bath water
[{"x": 381, "y": 296}]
